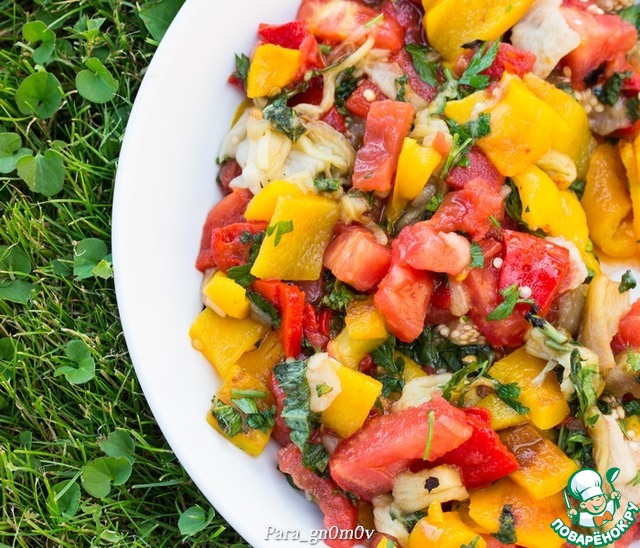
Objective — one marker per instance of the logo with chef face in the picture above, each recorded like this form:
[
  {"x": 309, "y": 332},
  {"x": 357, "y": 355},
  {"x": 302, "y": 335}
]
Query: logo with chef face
[{"x": 591, "y": 509}]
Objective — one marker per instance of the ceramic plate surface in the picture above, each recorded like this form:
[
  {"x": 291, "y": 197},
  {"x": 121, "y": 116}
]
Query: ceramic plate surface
[{"x": 165, "y": 185}]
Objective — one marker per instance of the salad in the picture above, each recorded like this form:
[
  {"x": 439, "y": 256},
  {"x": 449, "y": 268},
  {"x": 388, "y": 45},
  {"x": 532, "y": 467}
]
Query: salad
[{"x": 402, "y": 283}]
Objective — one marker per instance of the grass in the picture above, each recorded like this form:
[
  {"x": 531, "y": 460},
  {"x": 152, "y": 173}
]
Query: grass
[{"x": 82, "y": 461}]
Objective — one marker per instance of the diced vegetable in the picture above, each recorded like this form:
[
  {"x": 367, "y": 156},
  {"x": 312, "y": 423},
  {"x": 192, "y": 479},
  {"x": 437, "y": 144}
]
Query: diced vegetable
[
  {"x": 243, "y": 411},
  {"x": 224, "y": 340},
  {"x": 261, "y": 361},
  {"x": 364, "y": 321},
  {"x": 349, "y": 351},
  {"x": 547, "y": 405},
  {"x": 302, "y": 228},
  {"x": 502, "y": 415},
  {"x": 263, "y": 204},
  {"x": 272, "y": 68},
  {"x": 443, "y": 529},
  {"x": 350, "y": 409},
  {"x": 544, "y": 469},
  {"x": 231, "y": 244},
  {"x": 227, "y": 296}
]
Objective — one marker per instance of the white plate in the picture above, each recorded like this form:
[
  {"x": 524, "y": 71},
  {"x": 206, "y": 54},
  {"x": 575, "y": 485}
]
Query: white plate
[{"x": 164, "y": 187}]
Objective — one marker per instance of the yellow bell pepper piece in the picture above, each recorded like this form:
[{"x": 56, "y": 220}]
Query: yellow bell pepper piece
[
  {"x": 443, "y": 529},
  {"x": 607, "y": 204},
  {"x": 228, "y": 296},
  {"x": 544, "y": 469},
  {"x": 556, "y": 212},
  {"x": 224, "y": 340},
  {"x": 349, "y": 410},
  {"x": 532, "y": 517},
  {"x": 301, "y": 228},
  {"x": 578, "y": 142},
  {"x": 415, "y": 165},
  {"x": 261, "y": 361},
  {"x": 363, "y": 320},
  {"x": 411, "y": 369},
  {"x": 263, "y": 204},
  {"x": 249, "y": 440},
  {"x": 349, "y": 351},
  {"x": 546, "y": 403},
  {"x": 272, "y": 68},
  {"x": 449, "y": 27},
  {"x": 522, "y": 126},
  {"x": 502, "y": 416},
  {"x": 630, "y": 155}
]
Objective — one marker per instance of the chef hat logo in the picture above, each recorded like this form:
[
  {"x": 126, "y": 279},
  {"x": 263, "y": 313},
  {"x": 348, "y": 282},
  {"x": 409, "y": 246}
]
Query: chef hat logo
[{"x": 585, "y": 484}]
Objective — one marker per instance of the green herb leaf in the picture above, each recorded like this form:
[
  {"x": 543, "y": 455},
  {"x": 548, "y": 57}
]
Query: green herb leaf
[
  {"x": 482, "y": 59},
  {"x": 507, "y": 532},
  {"x": 280, "y": 229},
  {"x": 509, "y": 394},
  {"x": 585, "y": 379},
  {"x": 119, "y": 444},
  {"x": 577, "y": 446},
  {"x": 427, "y": 447},
  {"x": 401, "y": 86},
  {"x": 100, "y": 474},
  {"x": 43, "y": 173},
  {"x": 284, "y": 119},
  {"x": 609, "y": 93},
  {"x": 228, "y": 417},
  {"x": 632, "y": 15},
  {"x": 88, "y": 258},
  {"x": 194, "y": 519},
  {"x": 158, "y": 14},
  {"x": 242, "y": 68},
  {"x": 425, "y": 62},
  {"x": 337, "y": 296},
  {"x": 477, "y": 256},
  {"x": 84, "y": 369},
  {"x": 472, "y": 544},
  {"x": 578, "y": 187},
  {"x": 39, "y": 94},
  {"x": 627, "y": 282},
  {"x": 464, "y": 137},
  {"x": 632, "y": 107},
  {"x": 315, "y": 457},
  {"x": 434, "y": 203},
  {"x": 511, "y": 296},
  {"x": 383, "y": 356},
  {"x": 458, "y": 379},
  {"x": 265, "y": 309},
  {"x": 346, "y": 85},
  {"x": 323, "y": 184},
  {"x": 95, "y": 83}
]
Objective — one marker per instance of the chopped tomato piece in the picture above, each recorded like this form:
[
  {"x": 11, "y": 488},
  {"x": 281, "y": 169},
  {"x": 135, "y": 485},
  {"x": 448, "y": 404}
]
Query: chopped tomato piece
[
  {"x": 333, "y": 21},
  {"x": 421, "y": 247},
  {"x": 483, "y": 458},
  {"x": 604, "y": 38},
  {"x": 358, "y": 103},
  {"x": 289, "y": 301},
  {"x": 227, "y": 211},
  {"x": 482, "y": 285},
  {"x": 629, "y": 330},
  {"x": 409, "y": 14},
  {"x": 474, "y": 209},
  {"x": 388, "y": 123},
  {"x": 339, "y": 512},
  {"x": 366, "y": 462},
  {"x": 535, "y": 263},
  {"x": 314, "y": 326},
  {"x": 479, "y": 167},
  {"x": 357, "y": 259},
  {"x": 281, "y": 431},
  {"x": 403, "y": 299}
]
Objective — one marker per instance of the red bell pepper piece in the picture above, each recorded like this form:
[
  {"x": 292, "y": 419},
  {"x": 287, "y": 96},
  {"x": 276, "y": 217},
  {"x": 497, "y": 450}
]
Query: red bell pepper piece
[
  {"x": 483, "y": 458},
  {"x": 358, "y": 104},
  {"x": 289, "y": 301},
  {"x": 339, "y": 512},
  {"x": 314, "y": 331},
  {"x": 227, "y": 246}
]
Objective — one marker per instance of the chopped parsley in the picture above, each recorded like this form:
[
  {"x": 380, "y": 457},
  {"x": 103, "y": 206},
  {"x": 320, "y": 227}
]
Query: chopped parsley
[
  {"x": 401, "y": 84},
  {"x": 434, "y": 203},
  {"x": 477, "y": 256},
  {"x": 507, "y": 532},
  {"x": 242, "y": 274},
  {"x": 242, "y": 68},
  {"x": 324, "y": 184},
  {"x": 509, "y": 394},
  {"x": 577, "y": 446},
  {"x": 280, "y": 229},
  {"x": 264, "y": 309},
  {"x": 472, "y": 544},
  {"x": 284, "y": 119},
  {"x": 464, "y": 137},
  {"x": 338, "y": 295},
  {"x": 578, "y": 187},
  {"x": 425, "y": 63},
  {"x": 627, "y": 283},
  {"x": 511, "y": 298},
  {"x": 458, "y": 379},
  {"x": 243, "y": 414},
  {"x": 482, "y": 59},
  {"x": 585, "y": 380},
  {"x": 608, "y": 94},
  {"x": 346, "y": 86},
  {"x": 383, "y": 356}
]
